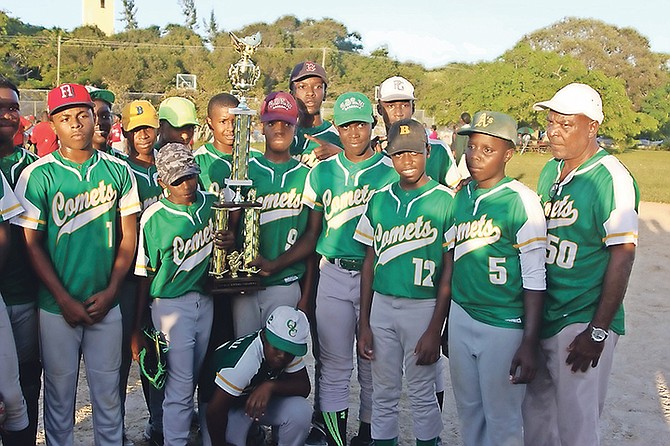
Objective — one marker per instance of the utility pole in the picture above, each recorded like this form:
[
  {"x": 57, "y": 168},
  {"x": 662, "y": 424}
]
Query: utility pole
[
  {"x": 58, "y": 62},
  {"x": 323, "y": 57}
]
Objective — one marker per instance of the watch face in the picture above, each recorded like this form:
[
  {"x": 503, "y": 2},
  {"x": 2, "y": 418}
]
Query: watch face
[{"x": 598, "y": 334}]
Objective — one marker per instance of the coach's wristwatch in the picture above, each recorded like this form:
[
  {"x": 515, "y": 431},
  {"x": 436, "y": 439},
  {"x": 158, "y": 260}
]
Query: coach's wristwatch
[{"x": 598, "y": 334}]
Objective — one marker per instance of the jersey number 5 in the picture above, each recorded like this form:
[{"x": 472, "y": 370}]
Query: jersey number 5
[
  {"x": 419, "y": 266},
  {"x": 497, "y": 271}
]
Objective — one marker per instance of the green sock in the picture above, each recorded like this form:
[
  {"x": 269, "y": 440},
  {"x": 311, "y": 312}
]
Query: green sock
[
  {"x": 390, "y": 442},
  {"x": 432, "y": 442},
  {"x": 336, "y": 427}
]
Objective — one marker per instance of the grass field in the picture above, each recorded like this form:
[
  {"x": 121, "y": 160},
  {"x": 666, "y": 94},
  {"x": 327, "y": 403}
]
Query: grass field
[{"x": 650, "y": 168}]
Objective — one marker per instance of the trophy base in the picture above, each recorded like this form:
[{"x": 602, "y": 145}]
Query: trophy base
[{"x": 238, "y": 285}]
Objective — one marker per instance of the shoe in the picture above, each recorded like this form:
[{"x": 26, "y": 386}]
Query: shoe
[
  {"x": 317, "y": 435},
  {"x": 127, "y": 441},
  {"x": 256, "y": 435},
  {"x": 356, "y": 441}
]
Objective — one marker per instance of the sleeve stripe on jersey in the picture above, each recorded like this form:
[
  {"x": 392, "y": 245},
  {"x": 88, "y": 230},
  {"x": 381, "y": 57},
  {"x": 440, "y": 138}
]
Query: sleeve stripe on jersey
[
  {"x": 32, "y": 220},
  {"x": 130, "y": 206},
  {"x": 10, "y": 209},
  {"x": 228, "y": 383},
  {"x": 528, "y": 242},
  {"x": 146, "y": 268},
  {"x": 366, "y": 236},
  {"x": 621, "y": 234}
]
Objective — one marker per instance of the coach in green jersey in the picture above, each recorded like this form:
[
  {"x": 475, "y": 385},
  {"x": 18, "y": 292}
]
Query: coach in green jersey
[
  {"x": 279, "y": 181},
  {"x": 80, "y": 227},
  {"x": 590, "y": 202},
  {"x": 403, "y": 306},
  {"x": 315, "y": 139},
  {"x": 497, "y": 240},
  {"x": 396, "y": 102}
]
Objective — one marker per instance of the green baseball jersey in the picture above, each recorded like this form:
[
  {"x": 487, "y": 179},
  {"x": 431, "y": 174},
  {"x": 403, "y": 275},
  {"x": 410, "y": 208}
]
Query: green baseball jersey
[
  {"x": 495, "y": 234},
  {"x": 593, "y": 208},
  {"x": 407, "y": 231},
  {"x": 302, "y": 148},
  {"x": 175, "y": 246},
  {"x": 283, "y": 217},
  {"x": 10, "y": 206},
  {"x": 19, "y": 283},
  {"x": 78, "y": 206},
  {"x": 441, "y": 165},
  {"x": 340, "y": 190},
  {"x": 215, "y": 167},
  {"x": 239, "y": 366},
  {"x": 147, "y": 183}
]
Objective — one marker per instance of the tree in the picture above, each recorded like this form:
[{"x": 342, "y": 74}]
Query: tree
[
  {"x": 190, "y": 13},
  {"x": 129, "y": 14},
  {"x": 211, "y": 27}
]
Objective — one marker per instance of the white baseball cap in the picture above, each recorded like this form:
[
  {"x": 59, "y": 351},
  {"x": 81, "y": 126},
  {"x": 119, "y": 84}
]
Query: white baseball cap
[
  {"x": 396, "y": 88},
  {"x": 287, "y": 329},
  {"x": 575, "y": 99}
]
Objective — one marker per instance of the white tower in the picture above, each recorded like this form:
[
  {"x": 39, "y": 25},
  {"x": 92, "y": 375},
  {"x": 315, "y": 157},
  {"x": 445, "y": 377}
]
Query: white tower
[{"x": 99, "y": 13}]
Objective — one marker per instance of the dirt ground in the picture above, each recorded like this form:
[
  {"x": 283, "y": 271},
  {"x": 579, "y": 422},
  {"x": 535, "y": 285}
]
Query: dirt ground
[{"x": 637, "y": 411}]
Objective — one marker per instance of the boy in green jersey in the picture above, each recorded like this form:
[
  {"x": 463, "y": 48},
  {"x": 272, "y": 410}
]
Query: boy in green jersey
[
  {"x": 178, "y": 120},
  {"x": 336, "y": 191},
  {"x": 279, "y": 181},
  {"x": 103, "y": 100},
  {"x": 80, "y": 228},
  {"x": 315, "y": 139},
  {"x": 497, "y": 244},
  {"x": 176, "y": 236},
  {"x": 403, "y": 302},
  {"x": 140, "y": 129},
  {"x": 19, "y": 285}
]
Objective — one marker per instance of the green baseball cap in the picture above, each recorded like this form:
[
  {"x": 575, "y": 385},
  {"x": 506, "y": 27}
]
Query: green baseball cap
[
  {"x": 492, "y": 123},
  {"x": 101, "y": 94},
  {"x": 352, "y": 107},
  {"x": 178, "y": 112}
]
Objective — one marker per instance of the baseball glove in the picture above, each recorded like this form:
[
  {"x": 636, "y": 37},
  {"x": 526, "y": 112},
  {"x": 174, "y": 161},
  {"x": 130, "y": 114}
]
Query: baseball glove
[{"x": 153, "y": 358}]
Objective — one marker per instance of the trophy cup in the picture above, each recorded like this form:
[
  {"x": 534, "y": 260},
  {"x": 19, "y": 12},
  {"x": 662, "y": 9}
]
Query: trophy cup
[{"x": 230, "y": 271}]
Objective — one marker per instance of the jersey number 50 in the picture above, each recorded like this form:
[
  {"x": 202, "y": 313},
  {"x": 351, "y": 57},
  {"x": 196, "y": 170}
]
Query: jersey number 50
[{"x": 561, "y": 252}]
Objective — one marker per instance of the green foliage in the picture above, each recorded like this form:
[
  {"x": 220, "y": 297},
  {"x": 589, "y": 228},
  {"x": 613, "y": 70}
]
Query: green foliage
[
  {"x": 129, "y": 14},
  {"x": 190, "y": 13}
]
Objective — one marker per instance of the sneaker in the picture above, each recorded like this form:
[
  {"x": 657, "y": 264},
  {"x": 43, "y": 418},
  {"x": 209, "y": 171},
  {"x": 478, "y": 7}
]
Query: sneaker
[
  {"x": 317, "y": 435},
  {"x": 356, "y": 441}
]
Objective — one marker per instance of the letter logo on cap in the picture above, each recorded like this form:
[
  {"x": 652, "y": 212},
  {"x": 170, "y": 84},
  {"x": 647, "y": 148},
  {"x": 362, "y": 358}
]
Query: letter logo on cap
[
  {"x": 484, "y": 120},
  {"x": 310, "y": 66},
  {"x": 404, "y": 130},
  {"x": 398, "y": 85},
  {"x": 66, "y": 91},
  {"x": 292, "y": 327},
  {"x": 139, "y": 109}
]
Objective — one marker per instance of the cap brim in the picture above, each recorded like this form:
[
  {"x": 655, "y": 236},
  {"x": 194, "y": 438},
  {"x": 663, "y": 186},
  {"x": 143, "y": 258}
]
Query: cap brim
[
  {"x": 267, "y": 117},
  {"x": 299, "y": 78},
  {"x": 470, "y": 131},
  {"x": 60, "y": 108},
  {"x": 397, "y": 97},
  {"x": 141, "y": 124},
  {"x": 393, "y": 151},
  {"x": 284, "y": 345},
  {"x": 367, "y": 119},
  {"x": 193, "y": 170}
]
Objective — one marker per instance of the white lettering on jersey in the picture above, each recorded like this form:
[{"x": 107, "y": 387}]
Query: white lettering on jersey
[
  {"x": 346, "y": 201},
  {"x": 474, "y": 235},
  {"x": 103, "y": 196},
  {"x": 181, "y": 248},
  {"x": 560, "y": 213},
  {"x": 280, "y": 205},
  {"x": 403, "y": 239}
]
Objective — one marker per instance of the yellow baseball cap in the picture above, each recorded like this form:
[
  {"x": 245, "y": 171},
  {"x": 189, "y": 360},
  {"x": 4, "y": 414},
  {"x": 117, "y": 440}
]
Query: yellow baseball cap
[
  {"x": 139, "y": 113},
  {"x": 178, "y": 112}
]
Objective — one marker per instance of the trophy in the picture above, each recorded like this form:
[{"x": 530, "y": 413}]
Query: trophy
[{"x": 231, "y": 271}]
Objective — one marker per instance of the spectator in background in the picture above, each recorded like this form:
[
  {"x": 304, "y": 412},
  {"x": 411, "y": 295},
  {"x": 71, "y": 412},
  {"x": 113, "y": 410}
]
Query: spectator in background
[
  {"x": 433, "y": 132},
  {"x": 43, "y": 137},
  {"x": 460, "y": 143}
]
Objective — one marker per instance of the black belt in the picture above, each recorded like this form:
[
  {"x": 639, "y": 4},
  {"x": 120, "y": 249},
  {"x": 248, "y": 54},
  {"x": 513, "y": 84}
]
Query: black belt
[{"x": 348, "y": 264}]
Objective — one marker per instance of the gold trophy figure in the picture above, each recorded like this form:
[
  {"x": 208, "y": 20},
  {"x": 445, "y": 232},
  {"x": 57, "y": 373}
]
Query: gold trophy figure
[{"x": 231, "y": 270}]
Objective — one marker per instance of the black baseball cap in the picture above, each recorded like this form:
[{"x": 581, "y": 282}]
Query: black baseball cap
[
  {"x": 406, "y": 135},
  {"x": 308, "y": 69}
]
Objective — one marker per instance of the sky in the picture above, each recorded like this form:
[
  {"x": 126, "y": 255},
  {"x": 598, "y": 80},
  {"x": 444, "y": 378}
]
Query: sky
[{"x": 430, "y": 32}]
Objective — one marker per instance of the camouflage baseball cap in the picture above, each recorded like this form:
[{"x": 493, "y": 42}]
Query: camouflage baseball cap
[
  {"x": 492, "y": 123},
  {"x": 352, "y": 107},
  {"x": 174, "y": 161}
]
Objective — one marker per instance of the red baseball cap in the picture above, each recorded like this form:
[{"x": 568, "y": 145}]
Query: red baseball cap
[
  {"x": 66, "y": 96},
  {"x": 279, "y": 106}
]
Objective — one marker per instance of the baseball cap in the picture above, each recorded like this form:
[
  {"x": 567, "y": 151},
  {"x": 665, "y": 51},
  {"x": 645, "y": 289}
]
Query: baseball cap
[
  {"x": 406, "y": 135},
  {"x": 287, "y": 329},
  {"x": 139, "y": 113},
  {"x": 178, "y": 112},
  {"x": 101, "y": 94},
  {"x": 279, "y": 106},
  {"x": 308, "y": 69},
  {"x": 174, "y": 161},
  {"x": 492, "y": 123},
  {"x": 396, "y": 88},
  {"x": 66, "y": 96},
  {"x": 352, "y": 107},
  {"x": 575, "y": 99}
]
